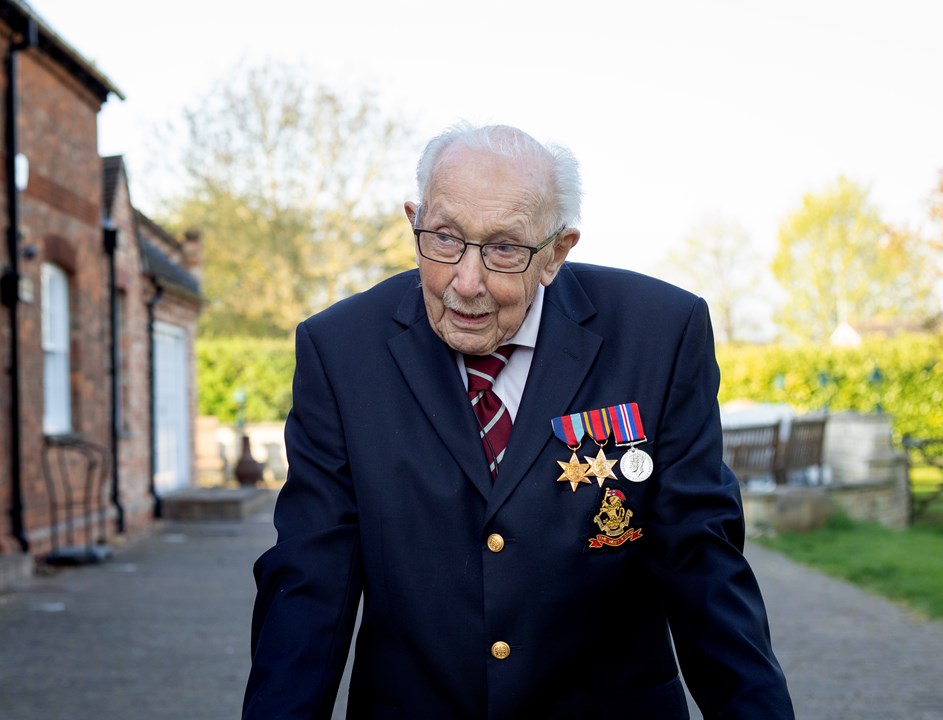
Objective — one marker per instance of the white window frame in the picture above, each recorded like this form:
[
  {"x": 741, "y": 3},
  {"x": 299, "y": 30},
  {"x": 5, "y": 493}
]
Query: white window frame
[{"x": 56, "y": 321}]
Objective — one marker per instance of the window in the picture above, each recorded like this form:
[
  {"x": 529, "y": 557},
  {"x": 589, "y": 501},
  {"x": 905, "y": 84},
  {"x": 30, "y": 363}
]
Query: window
[{"x": 57, "y": 389}]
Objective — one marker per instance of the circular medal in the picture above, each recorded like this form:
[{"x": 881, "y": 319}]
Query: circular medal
[{"x": 636, "y": 465}]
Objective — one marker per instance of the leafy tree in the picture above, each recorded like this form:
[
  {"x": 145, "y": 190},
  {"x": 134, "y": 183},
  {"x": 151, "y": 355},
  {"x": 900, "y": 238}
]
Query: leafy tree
[
  {"x": 717, "y": 261},
  {"x": 839, "y": 262},
  {"x": 290, "y": 184}
]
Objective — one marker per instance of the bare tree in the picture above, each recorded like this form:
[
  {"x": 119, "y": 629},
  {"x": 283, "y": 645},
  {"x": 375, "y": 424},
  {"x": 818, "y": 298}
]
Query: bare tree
[
  {"x": 716, "y": 260},
  {"x": 291, "y": 184}
]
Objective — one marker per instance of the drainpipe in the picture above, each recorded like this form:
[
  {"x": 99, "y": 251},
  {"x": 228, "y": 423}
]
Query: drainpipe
[
  {"x": 110, "y": 243},
  {"x": 152, "y": 404},
  {"x": 10, "y": 283}
]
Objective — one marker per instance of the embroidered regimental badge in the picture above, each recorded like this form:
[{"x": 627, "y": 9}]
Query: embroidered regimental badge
[{"x": 613, "y": 520}]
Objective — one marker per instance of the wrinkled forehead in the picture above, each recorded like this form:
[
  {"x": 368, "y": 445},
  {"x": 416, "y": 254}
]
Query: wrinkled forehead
[{"x": 481, "y": 180}]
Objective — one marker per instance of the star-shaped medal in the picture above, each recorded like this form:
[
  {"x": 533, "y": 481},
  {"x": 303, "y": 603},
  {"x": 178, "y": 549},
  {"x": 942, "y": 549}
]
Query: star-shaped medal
[
  {"x": 600, "y": 467},
  {"x": 574, "y": 472}
]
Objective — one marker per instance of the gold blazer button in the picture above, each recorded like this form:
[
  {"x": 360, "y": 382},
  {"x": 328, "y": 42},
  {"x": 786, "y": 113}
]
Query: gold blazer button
[
  {"x": 500, "y": 650},
  {"x": 495, "y": 543}
]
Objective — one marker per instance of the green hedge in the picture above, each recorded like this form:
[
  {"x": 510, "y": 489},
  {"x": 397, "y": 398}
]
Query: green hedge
[
  {"x": 262, "y": 367},
  {"x": 902, "y": 376}
]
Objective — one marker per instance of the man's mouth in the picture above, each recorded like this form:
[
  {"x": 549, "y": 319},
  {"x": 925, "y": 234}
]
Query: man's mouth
[
  {"x": 465, "y": 310},
  {"x": 469, "y": 315}
]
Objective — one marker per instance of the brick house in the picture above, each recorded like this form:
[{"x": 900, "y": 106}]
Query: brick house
[{"x": 89, "y": 284}]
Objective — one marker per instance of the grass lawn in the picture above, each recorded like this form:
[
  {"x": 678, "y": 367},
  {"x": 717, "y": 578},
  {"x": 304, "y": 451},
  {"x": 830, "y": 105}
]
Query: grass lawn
[{"x": 904, "y": 565}]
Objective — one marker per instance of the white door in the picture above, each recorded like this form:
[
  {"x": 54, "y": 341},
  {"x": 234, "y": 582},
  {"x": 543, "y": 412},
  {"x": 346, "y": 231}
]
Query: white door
[{"x": 172, "y": 407}]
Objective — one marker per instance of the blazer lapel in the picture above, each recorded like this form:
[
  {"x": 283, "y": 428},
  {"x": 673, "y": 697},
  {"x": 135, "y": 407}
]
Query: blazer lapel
[
  {"x": 429, "y": 367},
  {"x": 564, "y": 354}
]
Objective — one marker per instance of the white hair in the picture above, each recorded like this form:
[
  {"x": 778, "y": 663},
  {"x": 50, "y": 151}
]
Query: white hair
[{"x": 513, "y": 143}]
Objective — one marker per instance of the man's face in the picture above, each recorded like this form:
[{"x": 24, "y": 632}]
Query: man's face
[{"x": 481, "y": 197}]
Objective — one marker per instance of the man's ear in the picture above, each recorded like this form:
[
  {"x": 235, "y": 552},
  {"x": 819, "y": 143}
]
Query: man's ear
[
  {"x": 411, "y": 209},
  {"x": 560, "y": 249}
]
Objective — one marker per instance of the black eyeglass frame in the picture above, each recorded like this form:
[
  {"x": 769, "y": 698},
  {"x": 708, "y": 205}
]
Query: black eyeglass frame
[{"x": 481, "y": 248}]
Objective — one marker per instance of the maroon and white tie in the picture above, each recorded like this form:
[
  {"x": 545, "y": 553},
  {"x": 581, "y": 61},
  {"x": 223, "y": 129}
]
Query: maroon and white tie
[{"x": 493, "y": 417}]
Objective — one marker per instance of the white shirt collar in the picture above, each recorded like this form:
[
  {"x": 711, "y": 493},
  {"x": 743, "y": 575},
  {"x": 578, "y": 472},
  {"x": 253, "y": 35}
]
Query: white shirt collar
[{"x": 526, "y": 335}]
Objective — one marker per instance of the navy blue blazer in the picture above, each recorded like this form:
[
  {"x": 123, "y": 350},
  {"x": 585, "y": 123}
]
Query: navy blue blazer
[{"x": 389, "y": 495}]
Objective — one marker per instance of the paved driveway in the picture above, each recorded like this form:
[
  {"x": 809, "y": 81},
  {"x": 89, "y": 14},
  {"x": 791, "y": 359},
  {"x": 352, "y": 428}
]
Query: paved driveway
[{"x": 162, "y": 631}]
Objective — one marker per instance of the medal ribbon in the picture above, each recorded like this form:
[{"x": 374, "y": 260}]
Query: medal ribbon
[
  {"x": 626, "y": 423},
  {"x": 597, "y": 425},
  {"x": 569, "y": 429}
]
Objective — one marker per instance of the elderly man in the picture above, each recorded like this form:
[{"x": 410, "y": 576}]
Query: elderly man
[{"x": 517, "y": 462}]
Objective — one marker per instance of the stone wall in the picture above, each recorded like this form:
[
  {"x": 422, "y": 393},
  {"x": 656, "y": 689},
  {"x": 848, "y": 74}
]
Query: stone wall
[
  {"x": 858, "y": 448},
  {"x": 869, "y": 475},
  {"x": 885, "y": 502},
  {"x": 218, "y": 448}
]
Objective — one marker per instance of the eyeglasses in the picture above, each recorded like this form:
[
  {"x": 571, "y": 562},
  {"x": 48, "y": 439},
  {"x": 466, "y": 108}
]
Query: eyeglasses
[{"x": 497, "y": 256}]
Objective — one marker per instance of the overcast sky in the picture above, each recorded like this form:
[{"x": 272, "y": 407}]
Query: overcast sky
[{"x": 677, "y": 110}]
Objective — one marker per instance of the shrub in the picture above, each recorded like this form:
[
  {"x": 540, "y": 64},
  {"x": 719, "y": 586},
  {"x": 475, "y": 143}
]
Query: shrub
[
  {"x": 262, "y": 367},
  {"x": 902, "y": 376}
]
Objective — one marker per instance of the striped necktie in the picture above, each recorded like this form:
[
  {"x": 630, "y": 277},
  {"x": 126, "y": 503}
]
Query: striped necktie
[{"x": 493, "y": 418}]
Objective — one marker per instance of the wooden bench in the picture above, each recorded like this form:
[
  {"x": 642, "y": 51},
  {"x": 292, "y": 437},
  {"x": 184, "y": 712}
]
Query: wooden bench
[
  {"x": 802, "y": 457},
  {"x": 752, "y": 451},
  {"x": 757, "y": 451},
  {"x": 924, "y": 471}
]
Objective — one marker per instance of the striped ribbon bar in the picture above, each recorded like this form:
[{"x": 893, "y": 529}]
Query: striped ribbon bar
[
  {"x": 569, "y": 429},
  {"x": 597, "y": 425},
  {"x": 626, "y": 424}
]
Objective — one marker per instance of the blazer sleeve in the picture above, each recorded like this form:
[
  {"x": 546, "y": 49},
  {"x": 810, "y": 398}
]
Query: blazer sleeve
[
  {"x": 309, "y": 583},
  {"x": 715, "y": 610}
]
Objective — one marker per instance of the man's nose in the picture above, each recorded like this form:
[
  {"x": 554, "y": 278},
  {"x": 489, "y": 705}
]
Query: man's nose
[{"x": 470, "y": 273}]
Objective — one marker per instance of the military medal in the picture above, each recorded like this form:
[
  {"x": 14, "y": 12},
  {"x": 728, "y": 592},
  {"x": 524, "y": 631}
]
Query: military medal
[
  {"x": 597, "y": 427},
  {"x": 636, "y": 465},
  {"x": 574, "y": 472},
  {"x": 613, "y": 520},
  {"x": 569, "y": 429}
]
